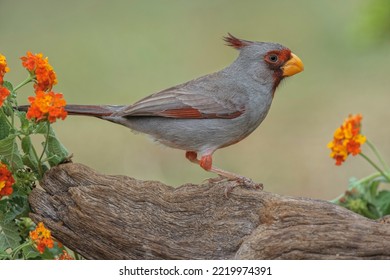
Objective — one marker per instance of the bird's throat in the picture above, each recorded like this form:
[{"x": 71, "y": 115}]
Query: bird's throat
[{"x": 278, "y": 77}]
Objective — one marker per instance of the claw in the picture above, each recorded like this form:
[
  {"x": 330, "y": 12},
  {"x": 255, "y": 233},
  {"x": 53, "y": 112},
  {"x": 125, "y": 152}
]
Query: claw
[
  {"x": 228, "y": 190},
  {"x": 232, "y": 183},
  {"x": 249, "y": 184},
  {"x": 242, "y": 182}
]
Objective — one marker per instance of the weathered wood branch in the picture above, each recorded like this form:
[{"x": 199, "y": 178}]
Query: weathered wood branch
[{"x": 117, "y": 217}]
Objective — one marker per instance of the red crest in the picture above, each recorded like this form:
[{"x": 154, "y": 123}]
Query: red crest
[{"x": 235, "y": 42}]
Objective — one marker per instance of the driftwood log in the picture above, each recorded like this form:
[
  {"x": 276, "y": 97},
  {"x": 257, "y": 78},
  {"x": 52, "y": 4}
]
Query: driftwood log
[{"x": 117, "y": 217}]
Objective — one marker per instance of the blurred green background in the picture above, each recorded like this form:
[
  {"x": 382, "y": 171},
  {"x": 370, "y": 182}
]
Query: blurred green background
[{"x": 116, "y": 52}]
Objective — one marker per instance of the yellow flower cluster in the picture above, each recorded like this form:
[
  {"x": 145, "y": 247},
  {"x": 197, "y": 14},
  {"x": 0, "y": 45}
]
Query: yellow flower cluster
[
  {"x": 44, "y": 74},
  {"x": 46, "y": 104},
  {"x": 42, "y": 237},
  {"x": 347, "y": 139},
  {"x": 4, "y": 92},
  {"x": 6, "y": 181}
]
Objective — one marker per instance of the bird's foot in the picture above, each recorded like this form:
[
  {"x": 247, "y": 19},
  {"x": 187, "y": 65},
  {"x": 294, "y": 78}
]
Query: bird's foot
[
  {"x": 233, "y": 182},
  {"x": 242, "y": 182},
  {"x": 239, "y": 180},
  {"x": 248, "y": 183}
]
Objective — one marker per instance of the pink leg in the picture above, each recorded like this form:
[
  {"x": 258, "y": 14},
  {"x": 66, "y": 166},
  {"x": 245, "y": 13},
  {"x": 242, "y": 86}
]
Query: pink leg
[
  {"x": 206, "y": 162},
  {"x": 192, "y": 156}
]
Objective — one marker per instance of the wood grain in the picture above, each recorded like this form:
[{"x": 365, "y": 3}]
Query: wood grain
[{"x": 118, "y": 217}]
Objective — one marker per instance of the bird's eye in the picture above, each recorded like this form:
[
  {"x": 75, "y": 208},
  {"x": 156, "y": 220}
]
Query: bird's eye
[{"x": 273, "y": 58}]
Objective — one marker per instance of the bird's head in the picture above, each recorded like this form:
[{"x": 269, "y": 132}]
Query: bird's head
[{"x": 265, "y": 62}]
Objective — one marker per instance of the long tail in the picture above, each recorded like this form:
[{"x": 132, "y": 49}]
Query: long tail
[
  {"x": 93, "y": 110},
  {"x": 86, "y": 110}
]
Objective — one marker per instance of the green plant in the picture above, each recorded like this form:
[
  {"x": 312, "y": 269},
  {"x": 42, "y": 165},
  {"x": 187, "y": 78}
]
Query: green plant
[
  {"x": 363, "y": 196},
  {"x": 23, "y": 163}
]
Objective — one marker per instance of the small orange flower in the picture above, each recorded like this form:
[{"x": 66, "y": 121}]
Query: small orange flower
[
  {"x": 64, "y": 256},
  {"x": 347, "y": 139},
  {"x": 42, "y": 237},
  {"x": 47, "y": 106},
  {"x": 6, "y": 181},
  {"x": 4, "y": 92},
  {"x": 44, "y": 74},
  {"x": 3, "y": 67}
]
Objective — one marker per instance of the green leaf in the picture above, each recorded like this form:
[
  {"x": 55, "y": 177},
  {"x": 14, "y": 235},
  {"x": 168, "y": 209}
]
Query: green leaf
[
  {"x": 56, "y": 152},
  {"x": 41, "y": 128},
  {"x": 3, "y": 205},
  {"x": 9, "y": 150},
  {"x": 25, "y": 225},
  {"x": 383, "y": 202},
  {"x": 361, "y": 197},
  {"x": 9, "y": 235},
  {"x": 55, "y": 147},
  {"x": 8, "y": 85},
  {"x": 25, "y": 125},
  {"x": 372, "y": 190},
  {"x": 4, "y": 126},
  {"x": 362, "y": 207},
  {"x": 367, "y": 189},
  {"x": 29, "y": 157},
  {"x": 18, "y": 206},
  {"x": 26, "y": 144},
  {"x": 51, "y": 253},
  {"x": 30, "y": 253}
]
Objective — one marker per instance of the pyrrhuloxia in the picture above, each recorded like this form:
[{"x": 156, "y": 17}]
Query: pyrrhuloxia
[{"x": 213, "y": 111}]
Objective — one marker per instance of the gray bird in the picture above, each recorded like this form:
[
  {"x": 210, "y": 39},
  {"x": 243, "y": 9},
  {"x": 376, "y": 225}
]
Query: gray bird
[{"x": 210, "y": 112}]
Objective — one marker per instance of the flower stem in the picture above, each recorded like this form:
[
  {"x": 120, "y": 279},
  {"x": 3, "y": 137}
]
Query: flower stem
[
  {"x": 368, "y": 178},
  {"x": 378, "y": 155},
  {"x": 359, "y": 182},
  {"x": 26, "y": 81},
  {"x": 45, "y": 146},
  {"x": 376, "y": 167},
  {"x": 39, "y": 163}
]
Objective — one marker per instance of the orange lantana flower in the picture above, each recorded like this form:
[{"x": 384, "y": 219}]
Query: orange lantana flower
[
  {"x": 47, "y": 106},
  {"x": 347, "y": 139},
  {"x": 64, "y": 256},
  {"x": 44, "y": 74},
  {"x": 6, "y": 181},
  {"x": 3, "y": 67},
  {"x": 42, "y": 237},
  {"x": 4, "y": 92}
]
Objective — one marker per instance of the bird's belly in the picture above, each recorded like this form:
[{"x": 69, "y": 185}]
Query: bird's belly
[{"x": 193, "y": 134}]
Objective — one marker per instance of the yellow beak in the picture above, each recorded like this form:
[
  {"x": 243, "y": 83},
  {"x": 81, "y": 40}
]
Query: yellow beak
[{"x": 293, "y": 66}]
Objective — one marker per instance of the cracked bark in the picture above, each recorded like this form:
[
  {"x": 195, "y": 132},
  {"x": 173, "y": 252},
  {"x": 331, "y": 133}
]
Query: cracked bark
[{"x": 118, "y": 217}]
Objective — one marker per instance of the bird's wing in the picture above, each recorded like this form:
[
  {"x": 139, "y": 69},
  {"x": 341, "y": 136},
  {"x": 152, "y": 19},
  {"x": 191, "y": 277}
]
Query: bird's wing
[{"x": 185, "y": 103}]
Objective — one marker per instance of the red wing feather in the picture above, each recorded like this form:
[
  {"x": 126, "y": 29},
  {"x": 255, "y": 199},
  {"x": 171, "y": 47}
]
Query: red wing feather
[
  {"x": 192, "y": 113},
  {"x": 185, "y": 113}
]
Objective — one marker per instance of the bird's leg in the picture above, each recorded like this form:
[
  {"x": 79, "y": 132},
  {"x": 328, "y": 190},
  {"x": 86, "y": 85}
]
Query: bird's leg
[
  {"x": 206, "y": 162},
  {"x": 192, "y": 156}
]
